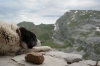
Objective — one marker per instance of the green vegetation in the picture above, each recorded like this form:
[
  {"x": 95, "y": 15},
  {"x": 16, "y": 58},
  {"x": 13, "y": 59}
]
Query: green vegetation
[
  {"x": 44, "y": 36},
  {"x": 73, "y": 23},
  {"x": 85, "y": 34},
  {"x": 80, "y": 48},
  {"x": 44, "y": 32},
  {"x": 72, "y": 40},
  {"x": 92, "y": 29},
  {"x": 51, "y": 44},
  {"x": 97, "y": 33},
  {"x": 46, "y": 26},
  {"x": 85, "y": 56},
  {"x": 97, "y": 51},
  {"x": 67, "y": 44},
  {"x": 85, "y": 16},
  {"x": 97, "y": 48},
  {"x": 57, "y": 46}
]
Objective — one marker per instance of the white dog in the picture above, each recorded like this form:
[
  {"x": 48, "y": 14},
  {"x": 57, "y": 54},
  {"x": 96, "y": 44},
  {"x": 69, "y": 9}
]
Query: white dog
[{"x": 15, "y": 40}]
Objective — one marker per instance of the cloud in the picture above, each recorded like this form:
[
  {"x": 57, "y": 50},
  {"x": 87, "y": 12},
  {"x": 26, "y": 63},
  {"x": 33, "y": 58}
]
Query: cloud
[{"x": 42, "y": 11}]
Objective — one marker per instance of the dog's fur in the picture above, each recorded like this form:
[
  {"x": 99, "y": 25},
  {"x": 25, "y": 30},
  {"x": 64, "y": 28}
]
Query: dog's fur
[{"x": 10, "y": 40}]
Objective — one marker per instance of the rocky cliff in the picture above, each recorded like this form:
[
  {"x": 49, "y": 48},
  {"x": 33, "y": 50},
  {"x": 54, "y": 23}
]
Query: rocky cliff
[{"x": 81, "y": 29}]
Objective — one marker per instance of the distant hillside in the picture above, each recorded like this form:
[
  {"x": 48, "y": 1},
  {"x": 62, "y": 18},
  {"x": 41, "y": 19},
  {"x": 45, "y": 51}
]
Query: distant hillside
[{"x": 44, "y": 32}]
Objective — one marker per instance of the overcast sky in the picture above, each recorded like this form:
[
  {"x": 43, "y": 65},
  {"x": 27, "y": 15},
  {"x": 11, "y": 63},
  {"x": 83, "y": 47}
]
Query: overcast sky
[{"x": 42, "y": 11}]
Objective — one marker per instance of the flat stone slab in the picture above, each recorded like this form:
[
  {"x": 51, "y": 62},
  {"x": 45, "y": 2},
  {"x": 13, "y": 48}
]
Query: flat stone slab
[
  {"x": 49, "y": 61},
  {"x": 59, "y": 54},
  {"x": 69, "y": 57},
  {"x": 6, "y": 61}
]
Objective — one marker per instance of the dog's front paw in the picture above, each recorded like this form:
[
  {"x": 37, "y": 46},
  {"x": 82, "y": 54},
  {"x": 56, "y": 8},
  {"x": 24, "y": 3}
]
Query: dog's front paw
[
  {"x": 46, "y": 48},
  {"x": 41, "y": 49}
]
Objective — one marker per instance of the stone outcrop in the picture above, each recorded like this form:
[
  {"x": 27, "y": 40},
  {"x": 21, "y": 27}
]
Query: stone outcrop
[
  {"x": 81, "y": 29},
  {"x": 52, "y": 58}
]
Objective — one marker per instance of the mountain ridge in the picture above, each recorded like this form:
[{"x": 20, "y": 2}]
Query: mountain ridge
[{"x": 79, "y": 27}]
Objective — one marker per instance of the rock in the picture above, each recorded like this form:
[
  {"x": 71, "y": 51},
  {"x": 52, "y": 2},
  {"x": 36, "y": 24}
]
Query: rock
[
  {"x": 69, "y": 57},
  {"x": 71, "y": 60},
  {"x": 34, "y": 57},
  {"x": 84, "y": 63},
  {"x": 6, "y": 61},
  {"x": 49, "y": 61},
  {"x": 53, "y": 61},
  {"x": 52, "y": 58}
]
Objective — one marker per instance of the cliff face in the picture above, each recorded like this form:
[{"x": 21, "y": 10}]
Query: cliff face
[{"x": 81, "y": 29}]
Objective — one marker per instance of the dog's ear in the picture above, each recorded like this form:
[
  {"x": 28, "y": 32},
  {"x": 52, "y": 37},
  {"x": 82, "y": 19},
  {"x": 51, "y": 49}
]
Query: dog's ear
[{"x": 28, "y": 37}]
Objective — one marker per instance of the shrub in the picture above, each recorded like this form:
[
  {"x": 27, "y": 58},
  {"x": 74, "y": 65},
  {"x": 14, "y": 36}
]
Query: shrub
[
  {"x": 80, "y": 48},
  {"x": 97, "y": 33},
  {"x": 85, "y": 56},
  {"x": 67, "y": 44}
]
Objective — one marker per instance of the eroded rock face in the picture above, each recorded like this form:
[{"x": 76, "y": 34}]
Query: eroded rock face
[{"x": 34, "y": 57}]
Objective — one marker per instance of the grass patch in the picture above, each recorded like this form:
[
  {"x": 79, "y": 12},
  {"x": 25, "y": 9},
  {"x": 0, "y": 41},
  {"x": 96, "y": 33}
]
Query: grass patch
[
  {"x": 44, "y": 36},
  {"x": 57, "y": 46},
  {"x": 51, "y": 44}
]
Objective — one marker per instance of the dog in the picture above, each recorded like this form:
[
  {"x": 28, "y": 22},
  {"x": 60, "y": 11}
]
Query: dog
[{"x": 15, "y": 40}]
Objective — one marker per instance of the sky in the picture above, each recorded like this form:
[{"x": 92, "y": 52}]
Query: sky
[{"x": 42, "y": 11}]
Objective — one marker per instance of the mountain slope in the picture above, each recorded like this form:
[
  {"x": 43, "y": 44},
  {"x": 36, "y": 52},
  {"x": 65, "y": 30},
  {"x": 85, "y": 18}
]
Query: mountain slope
[{"x": 79, "y": 27}]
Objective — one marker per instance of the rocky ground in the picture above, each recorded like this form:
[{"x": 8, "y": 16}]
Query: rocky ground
[{"x": 52, "y": 58}]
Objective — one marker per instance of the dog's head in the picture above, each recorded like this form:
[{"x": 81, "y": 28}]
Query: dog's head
[{"x": 28, "y": 37}]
